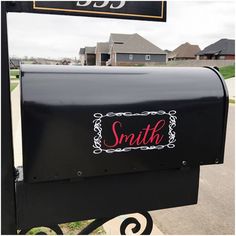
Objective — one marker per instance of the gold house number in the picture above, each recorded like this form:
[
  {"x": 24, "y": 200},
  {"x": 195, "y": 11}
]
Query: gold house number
[{"x": 100, "y": 4}]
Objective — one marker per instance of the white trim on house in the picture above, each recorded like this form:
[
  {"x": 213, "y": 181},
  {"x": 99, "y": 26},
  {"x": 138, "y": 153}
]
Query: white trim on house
[
  {"x": 147, "y": 57},
  {"x": 115, "y": 58},
  {"x": 131, "y": 57}
]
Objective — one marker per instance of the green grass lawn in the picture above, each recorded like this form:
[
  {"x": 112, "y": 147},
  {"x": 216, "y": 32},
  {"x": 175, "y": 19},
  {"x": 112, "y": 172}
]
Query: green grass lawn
[
  {"x": 72, "y": 228},
  {"x": 13, "y": 86},
  {"x": 14, "y": 74},
  {"x": 228, "y": 71}
]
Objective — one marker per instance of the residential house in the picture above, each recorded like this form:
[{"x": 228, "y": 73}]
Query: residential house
[
  {"x": 88, "y": 56},
  {"x": 102, "y": 53},
  {"x": 29, "y": 61},
  {"x": 224, "y": 49},
  {"x": 167, "y": 51},
  {"x": 14, "y": 63},
  {"x": 82, "y": 56},
  {"x": 64, "y": 61},
  {"x": 133, "y": 49},
  {"x": 185, "y": 51}
]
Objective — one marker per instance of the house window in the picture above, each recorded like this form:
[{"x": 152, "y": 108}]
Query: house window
[
  {"x": 147, "y": 57},
  {"x": 131, "y": 57}
]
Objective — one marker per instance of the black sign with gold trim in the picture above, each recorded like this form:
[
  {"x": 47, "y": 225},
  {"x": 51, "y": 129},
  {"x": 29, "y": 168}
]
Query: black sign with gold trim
[{"x": 134, "y": 10}]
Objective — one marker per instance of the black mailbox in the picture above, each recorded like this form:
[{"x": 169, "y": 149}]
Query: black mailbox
[{"x": 81, "y": 122}]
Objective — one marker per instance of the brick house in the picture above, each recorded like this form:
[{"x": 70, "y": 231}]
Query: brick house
[
  {"x": 185, "y": 51},
  {"x": 133, "y": 49},
  {"x": 14, "y": 63},
  {"x": 82, "y": 56},
  {"x": 87, "y": 56},
  {"x": 224, "y": 49},
  {"x": 102, "y": 53}
]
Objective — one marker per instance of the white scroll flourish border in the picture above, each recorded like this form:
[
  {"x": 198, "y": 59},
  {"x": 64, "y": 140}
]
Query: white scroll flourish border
[{"x": 98, "y": 130}]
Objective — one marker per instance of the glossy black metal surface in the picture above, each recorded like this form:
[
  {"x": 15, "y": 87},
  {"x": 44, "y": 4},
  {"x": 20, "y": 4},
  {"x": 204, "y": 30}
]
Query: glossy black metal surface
[
  {"x": 132, "y": 10},
  {"x": 59, "y": 103},
  {"x": 104, "y": 196},
  {"x": 8, "y": 204}
]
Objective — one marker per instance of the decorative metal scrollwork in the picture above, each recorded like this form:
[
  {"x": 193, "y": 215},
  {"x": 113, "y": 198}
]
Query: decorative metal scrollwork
[
  {"x": 132, "y": 220},
  {"x": 99, "y": 222}
]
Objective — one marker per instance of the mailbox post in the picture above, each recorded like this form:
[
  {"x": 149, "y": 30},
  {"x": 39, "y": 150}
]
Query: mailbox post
[{"x": 8, "y": 216}]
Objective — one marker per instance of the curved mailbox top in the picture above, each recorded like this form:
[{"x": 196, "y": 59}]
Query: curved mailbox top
[
  {"x": 118, "y": 85},
  {"x": 89, "y": 121}
]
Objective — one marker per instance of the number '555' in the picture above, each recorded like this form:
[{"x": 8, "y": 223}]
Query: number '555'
[{"x": 101, "y": 4}]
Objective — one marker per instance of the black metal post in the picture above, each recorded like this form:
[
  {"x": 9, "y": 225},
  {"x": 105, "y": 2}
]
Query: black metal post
[{"x": 8, "y": 217}]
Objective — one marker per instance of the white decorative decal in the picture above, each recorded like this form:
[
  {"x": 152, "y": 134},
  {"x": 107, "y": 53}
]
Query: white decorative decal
[{"x": 98, "y": 138}]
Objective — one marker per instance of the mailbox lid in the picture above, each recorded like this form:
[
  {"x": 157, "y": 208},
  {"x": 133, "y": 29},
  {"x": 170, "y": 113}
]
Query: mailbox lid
[
  {"x": 118, "y": 85},
  {"x": 68, "y": 115}
]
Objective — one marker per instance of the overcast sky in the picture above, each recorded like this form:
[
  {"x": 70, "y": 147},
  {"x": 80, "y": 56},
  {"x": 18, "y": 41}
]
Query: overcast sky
[{"x": 196, "y": 22}]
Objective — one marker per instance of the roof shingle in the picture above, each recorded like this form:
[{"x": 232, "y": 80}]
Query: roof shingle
[
  {"x": 82, "y": 51},
  {"x": 102, "y": 47},
  {"x": 90, "y": 50},
  {"x": 133, "y": 43},
  {"x": 221, "y": 47},
  {"x": 186, "y": 50}
]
